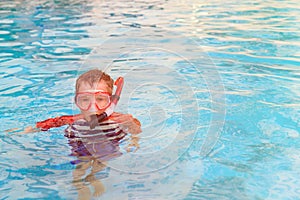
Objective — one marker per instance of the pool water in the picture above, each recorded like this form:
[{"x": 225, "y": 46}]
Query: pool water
[{"x": 215, "y": 85}]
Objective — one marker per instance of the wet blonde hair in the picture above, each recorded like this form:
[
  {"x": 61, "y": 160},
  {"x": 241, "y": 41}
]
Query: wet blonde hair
[{"x": 94, "y": 76}]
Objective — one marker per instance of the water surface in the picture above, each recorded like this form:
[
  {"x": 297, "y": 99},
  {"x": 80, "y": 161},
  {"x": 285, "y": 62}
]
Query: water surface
[{"x": 215, "y": 85}]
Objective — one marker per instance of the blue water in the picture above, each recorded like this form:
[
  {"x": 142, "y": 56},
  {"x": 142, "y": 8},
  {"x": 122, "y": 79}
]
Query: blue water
[{"x": 215, "y": 84}]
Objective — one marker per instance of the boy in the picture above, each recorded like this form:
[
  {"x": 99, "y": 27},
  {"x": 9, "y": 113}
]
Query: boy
[
  {"x": 93, "y": 83},
  {"x": 93, "y": 145}
]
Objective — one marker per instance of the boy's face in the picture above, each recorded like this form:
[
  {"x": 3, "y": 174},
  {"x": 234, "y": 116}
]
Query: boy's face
[{"x": 93, "y": 99}]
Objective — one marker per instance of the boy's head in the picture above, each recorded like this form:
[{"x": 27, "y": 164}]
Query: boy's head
[
  {"x": 93, "y": 92},
  {"x": 92, "y": 78}
]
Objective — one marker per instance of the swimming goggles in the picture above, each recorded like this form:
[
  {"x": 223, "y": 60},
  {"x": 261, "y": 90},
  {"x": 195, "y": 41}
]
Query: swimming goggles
[
  {"x": 84, "y": 100},
  {"x": 97, "y": 118}
]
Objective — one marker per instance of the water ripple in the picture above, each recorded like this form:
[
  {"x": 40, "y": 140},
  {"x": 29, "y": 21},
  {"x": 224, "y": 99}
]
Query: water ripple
[{"x": 252, "y": 47}]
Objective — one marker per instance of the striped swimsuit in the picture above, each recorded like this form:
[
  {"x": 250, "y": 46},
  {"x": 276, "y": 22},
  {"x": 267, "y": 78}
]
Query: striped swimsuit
[{"x": 102, "y": 142}]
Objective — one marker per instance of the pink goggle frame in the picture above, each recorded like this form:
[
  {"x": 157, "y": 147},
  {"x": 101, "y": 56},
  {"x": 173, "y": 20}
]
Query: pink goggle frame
[{"x": 84, "y": 100}]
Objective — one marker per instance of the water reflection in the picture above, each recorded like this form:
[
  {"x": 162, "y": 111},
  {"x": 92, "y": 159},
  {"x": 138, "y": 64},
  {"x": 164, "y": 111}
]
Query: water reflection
[
  {"x": 80, "y": 180},
  {"x": 93, "y": 148}
]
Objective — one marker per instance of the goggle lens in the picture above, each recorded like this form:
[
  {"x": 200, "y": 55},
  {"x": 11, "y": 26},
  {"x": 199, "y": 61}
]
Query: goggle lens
[{"x": 85, "y": 100}]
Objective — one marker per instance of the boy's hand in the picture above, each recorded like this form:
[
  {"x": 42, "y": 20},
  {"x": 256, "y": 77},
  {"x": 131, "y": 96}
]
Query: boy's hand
[
  {"x": 30, "y": 129},
  {"x": 127, "y": 122}
]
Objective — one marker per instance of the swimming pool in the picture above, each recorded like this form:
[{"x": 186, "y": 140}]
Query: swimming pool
[{"x": 215, "y": 85}]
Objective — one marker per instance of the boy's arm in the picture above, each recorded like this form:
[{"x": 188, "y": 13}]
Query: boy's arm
[
  {"x": 28, "y": 129},
  {"x": 48, "y": 123},
  {"x": 132, "y": 125},
  {"x": 57, "y": 121}
]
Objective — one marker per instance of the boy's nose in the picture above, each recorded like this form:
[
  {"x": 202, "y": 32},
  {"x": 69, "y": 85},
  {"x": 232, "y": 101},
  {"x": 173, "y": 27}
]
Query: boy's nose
[{"x": 93, "y": 107}]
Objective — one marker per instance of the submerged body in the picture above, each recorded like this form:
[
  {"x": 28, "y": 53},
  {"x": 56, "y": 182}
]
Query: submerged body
[{"x": 101, "y": 143}]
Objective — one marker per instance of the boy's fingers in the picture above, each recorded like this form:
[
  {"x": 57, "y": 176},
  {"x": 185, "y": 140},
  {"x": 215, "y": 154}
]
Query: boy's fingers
[
  {"x": 118, "y": 117},
  {"x": 116, "y": 114},
  {"x": 11, "y": 130}
]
